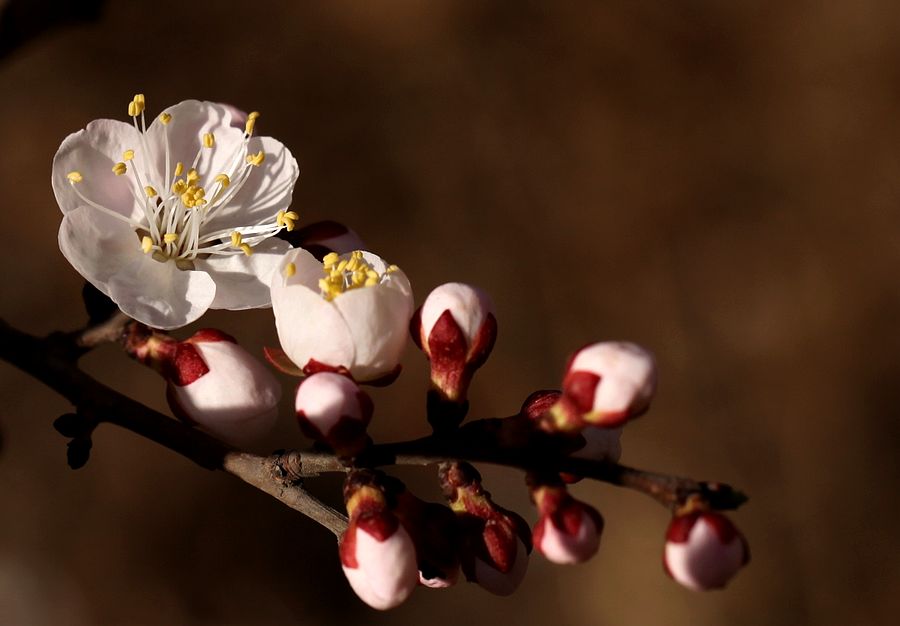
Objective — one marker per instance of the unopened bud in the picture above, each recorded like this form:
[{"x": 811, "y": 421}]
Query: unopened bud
[
  {"x": 704, "y": 550},
  {"x": 456, "y": 330},
  {"x": 219, "y": 386},
  {"x": 332, "y": 409},
  {"x": 568, "y": 530},
  {"x": 494, "y": 541},
  {"x": 605, "y": 384}
]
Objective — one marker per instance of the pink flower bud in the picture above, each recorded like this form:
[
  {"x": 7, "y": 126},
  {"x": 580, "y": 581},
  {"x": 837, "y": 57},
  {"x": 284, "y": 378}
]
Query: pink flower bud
[
  {"x": 610, "y": 382},
  {"x": 456, "y": 330},
  {"x": 568, "y": 530},
  {"x": 219, "y": 386},
  {"x": 379, "y": 559},
  {"x": 704, "y": 550},
  {"x": 332, "y": 409}
]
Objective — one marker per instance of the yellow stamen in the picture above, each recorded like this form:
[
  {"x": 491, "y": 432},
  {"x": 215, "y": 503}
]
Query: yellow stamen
[
  {"x": 75, "y": 177},
  {"x": 223, "y": 180},
  {"x": 179, "y": 186},
  {"x": 256, "y": 159},
  {"x": 119, "y": 169},
  {"x": 247, "y": 249},
  {"x": 170, "y": 237},
  {"x": 139, "y": 99},
  {"x": 342, "y": 275},
  {"x": 150, "y": 191},
  {"x": 292, "y": 215},
  {"x": 289, "y": 270},
  {"x": 133, "y": 109},
  {"x": 330, "y": 259},
  {"x": 128, "y": 155},
  {"x": 236, "y": 239},
  {"x": 209, "y": 140},
  {"x": 146, "y": 244},
  {"x": 165, "y": 118},
  {"x": 179, "y": 168},
  {"x": 192, "y": 176}
]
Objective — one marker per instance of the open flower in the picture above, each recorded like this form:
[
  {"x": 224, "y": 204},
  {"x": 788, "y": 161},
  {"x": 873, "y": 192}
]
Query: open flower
[
  {"x": 347, "y": 313},
  {"x": 176, "y": 217}
]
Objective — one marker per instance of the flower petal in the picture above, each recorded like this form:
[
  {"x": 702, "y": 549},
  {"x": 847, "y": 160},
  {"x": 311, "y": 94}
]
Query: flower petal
[
  {"x": 309, "y": 327},
  {"x": 159, "y": 294},
  {"x": 378, "y": 319},
  {"x": 242, "y": 282},
  {"x": 268, "y": 188},
  {"x": 97, "y": 245},
  {"x": 93, "y": 151}
]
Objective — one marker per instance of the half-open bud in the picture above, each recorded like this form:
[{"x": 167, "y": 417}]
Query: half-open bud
[
  {"x": 377, "y": 554},
  {"x": 333, "y": 410},
  {"x": 568, "y": 530},
  {"x": 704, "y": 550},
  {"x": 456, "y": 329},
  {"x": 606, "y": 384},
  {"x": 212, "y": 382},
  {"x": 494, "y": 541}
]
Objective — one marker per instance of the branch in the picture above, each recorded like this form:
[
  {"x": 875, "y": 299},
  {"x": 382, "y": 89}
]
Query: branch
[{"x": 53, "y": 361}]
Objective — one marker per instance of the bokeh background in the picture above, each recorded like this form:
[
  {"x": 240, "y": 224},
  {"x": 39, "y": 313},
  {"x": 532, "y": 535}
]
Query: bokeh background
[{"x": 715, "y": 180}]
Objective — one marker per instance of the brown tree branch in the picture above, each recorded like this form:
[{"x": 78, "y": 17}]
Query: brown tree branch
[{"x": 53, "y": 361}]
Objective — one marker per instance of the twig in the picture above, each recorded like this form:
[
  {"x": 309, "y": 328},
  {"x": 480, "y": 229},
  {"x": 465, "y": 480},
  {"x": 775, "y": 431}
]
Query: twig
[{"x": 53, "y": 361}]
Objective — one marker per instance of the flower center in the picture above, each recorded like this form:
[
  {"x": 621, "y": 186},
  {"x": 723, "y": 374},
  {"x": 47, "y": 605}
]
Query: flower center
[
  {"x": 342, "y": 275},
  {"x": 177, "y": 210}
]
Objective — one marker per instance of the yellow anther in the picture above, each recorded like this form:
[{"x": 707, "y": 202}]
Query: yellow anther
[
  {"x": 133, "y": 109},
  {"x": 289, "y": 270},
  {"x": 128, "y": 155},
  {"x": 236, "y": 239},
  {"x": 179, "y": 168},
  {"x": 247, "y": 249},
  {"x": 292, "y": 215},
  {"x": 165, "y": 118},
  {"x": 253, "y": 115},
  {"x": 139, "y": 99},
  {"x": 341, "y": 266},
  {"x": 192, "y": 175},
  {"x": 391, "y": 269},
  {"x": 256, "y": 159},
  {"x": 75, "y": 177},
  {"x": 179, "y": 186},
  {"x": 223, "y": 180},
  {"x": 330, "y": 259},
  {"x": 370, "y": 282},
  {"x": 209, "y": 140},
  {"x": 370, "y": 273},
  {"x": 170, "y": 237},
  {"x": 325, "y": 286},
  {"x": 146, "y": 244},
  {"x": 150, "y": 191},
  {"x": 119, "y": 169}
]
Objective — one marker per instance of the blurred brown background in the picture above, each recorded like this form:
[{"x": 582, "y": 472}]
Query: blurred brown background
[{"x": 715, "y": 180}]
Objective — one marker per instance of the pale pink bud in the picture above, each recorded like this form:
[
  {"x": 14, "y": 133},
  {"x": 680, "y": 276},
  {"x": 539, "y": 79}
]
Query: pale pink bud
[
  {"x": 704, "y": 550},
  {"x": 219, "y": 386},
  {"x": 568, "y": 531},
  {"x": 456, "y": 330},
  {"x": 609, "y": 383},
  {"x": 331, "y": 408},
  {"x": 379, "y": 559}
]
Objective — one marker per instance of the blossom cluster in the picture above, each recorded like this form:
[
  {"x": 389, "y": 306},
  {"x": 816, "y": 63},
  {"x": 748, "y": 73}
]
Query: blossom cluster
[{"x": 194, "y": 212}]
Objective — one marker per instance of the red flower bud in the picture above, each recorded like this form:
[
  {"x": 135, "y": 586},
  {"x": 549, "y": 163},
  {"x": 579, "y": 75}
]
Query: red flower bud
[{"x": 568, "y": 530}]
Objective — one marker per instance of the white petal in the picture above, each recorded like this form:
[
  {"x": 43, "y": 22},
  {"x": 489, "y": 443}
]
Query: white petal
[
  {"x": 268, "y": 188},
  {"x": 191, "y": 119},
  {"x": 496, "y": 581},
  {"x": 468, "y": 305},
  {"x": 703, "y": 562},
  {"x": 236, "y": 399},
  {"x": 159, "y": 294},
  {"x": 93, "y": 151},
  {"x": 97, "y": 245},
  {"x": 387, "y": 571},
  {"x": 378, "y": 320},
  {"x": 325, "y": 397},
  {"x": 242, "y": 282},
  {"x": 309, "y": 327}
]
